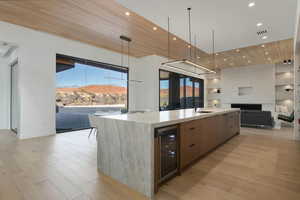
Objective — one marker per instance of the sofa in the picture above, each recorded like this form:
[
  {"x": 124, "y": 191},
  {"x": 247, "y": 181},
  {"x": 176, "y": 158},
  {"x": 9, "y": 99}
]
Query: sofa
[{"x": 257, "y": 118}]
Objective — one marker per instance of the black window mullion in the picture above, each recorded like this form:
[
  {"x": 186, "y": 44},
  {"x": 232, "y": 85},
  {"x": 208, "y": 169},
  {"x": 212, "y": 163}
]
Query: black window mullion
[
  {"x": 184, "y": 92},
  {"x": 194, "y": 102}
]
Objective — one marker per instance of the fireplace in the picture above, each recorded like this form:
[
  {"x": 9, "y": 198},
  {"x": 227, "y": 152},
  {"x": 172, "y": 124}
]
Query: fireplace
[{"x": 247, "y": 106}]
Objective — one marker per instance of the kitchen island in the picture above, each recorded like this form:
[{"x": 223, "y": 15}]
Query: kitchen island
[{"x": 140, "y": 149}]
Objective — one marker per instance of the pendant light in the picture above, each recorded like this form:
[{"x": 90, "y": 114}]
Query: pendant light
[
  {"x": 169, "y": 56},
  {"x": 128, "y": 40},
  {"x": 171, "y": 63}
]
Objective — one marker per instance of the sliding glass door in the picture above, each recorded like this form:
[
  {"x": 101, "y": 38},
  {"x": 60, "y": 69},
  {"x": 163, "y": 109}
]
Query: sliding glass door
[
  {"x": 86, "y": 87},
  {"x": 178, "y": 91},
  {"x": 14, "y": 108}
]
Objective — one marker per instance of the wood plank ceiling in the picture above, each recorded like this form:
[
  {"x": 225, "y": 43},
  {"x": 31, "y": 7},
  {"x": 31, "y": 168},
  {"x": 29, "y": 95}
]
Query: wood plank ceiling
[{"x": 101, "y": 22}]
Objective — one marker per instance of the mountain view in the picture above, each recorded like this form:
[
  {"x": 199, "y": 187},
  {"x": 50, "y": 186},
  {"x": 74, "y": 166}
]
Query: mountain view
[
  {"x": 91, "y": 95},
  {"x": 164, "y": 94}
]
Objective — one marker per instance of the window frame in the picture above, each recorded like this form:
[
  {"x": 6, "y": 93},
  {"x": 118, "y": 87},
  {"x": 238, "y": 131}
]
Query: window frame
[{"x": 201, "y": 86}]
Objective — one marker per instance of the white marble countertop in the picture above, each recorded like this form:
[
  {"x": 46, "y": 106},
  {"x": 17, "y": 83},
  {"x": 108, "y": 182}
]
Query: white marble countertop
[{"x": 164, "y": 118}]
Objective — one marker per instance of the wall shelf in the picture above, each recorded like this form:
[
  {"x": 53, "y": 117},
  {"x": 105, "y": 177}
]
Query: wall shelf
[{"x": 284, "y": 76}]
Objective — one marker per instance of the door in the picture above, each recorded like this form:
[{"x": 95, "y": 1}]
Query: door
[{"x": 14, "y": 108}]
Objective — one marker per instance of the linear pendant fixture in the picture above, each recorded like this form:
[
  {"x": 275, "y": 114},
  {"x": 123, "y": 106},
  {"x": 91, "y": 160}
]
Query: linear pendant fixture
[
  {"x": 171, "y": 63},
  {"x": 186, "y": 61}
]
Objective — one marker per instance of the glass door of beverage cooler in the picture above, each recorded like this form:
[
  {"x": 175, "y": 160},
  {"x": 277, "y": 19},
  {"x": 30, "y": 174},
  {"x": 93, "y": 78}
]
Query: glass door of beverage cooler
[{"x": 168, "y": 143}]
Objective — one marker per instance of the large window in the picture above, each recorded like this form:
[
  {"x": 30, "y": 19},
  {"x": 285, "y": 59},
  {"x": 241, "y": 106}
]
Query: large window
[
  {"x": 84, "y": 87},
  {"x": 178, "y": 91}
]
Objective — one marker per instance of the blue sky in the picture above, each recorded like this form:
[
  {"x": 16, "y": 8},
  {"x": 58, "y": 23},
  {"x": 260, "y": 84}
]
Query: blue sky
[
  {"x": 82, "y": 75},
  {"x": 164, "y": 84}
]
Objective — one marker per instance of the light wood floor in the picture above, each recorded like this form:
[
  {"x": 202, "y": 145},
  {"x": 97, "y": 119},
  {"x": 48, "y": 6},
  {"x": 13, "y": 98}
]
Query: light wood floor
[{"x": 250, "y": 166}]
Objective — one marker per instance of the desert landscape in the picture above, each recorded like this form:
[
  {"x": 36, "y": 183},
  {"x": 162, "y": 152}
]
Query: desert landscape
[{"x": 91, "y": 95}]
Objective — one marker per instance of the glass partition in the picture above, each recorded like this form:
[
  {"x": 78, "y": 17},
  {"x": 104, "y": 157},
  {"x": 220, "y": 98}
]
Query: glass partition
[
  {"x": 164, "y": 90},
  {"x": 189, "y": 93}
]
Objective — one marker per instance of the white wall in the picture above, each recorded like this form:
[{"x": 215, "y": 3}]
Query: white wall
[
  {"x": 260, "y": 77},
  {"x": 37, "y": 64},
  {"x": 4, "y": 94},
  {"x": 147, "y": 93},
  {"x": 296, "y": 70}
]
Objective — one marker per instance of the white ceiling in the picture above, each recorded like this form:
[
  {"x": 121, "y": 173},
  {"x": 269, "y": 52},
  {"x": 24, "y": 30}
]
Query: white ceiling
[{"x": 233, "y": 21}]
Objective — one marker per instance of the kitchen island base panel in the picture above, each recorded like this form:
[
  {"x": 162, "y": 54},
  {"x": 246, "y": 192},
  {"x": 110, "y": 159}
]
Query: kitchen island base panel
[{"x": 125, "y": 153}]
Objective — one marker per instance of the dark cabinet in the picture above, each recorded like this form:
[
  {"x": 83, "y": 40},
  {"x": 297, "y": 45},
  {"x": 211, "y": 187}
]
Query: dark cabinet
[
  {"x": 199, "y": 137},
  {"x": 176, "y": 150}
]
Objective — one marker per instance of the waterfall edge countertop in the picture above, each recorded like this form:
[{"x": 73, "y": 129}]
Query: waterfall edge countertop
[
  {"x": 165, "y": 118},
  {"x": 126, "y": 143}
]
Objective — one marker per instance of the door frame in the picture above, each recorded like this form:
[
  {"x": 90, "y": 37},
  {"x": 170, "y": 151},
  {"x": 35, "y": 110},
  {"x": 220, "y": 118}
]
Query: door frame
[{"x": 12, "y": 65}]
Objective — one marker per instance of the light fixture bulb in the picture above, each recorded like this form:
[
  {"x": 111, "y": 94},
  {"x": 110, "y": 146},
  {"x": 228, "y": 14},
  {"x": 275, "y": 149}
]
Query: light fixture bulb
[
  {"x": 127, "y": 13},
  {"x": 251, "y": 4},
  {"x": 259, "y": 24},
  {"x": 154, "y": 28}
]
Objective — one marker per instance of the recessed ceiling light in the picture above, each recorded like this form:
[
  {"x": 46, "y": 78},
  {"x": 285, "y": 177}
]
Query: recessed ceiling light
[
  {"x": 251, "y": 4},
  {"x": 238, "y": 50},
  {"x": 263, "y": 46},
  {"x": 127, "y": 13},
  {"x": 264, "y": 37},
  {"x": 244, "y": 57},
  {"x": 217, "y": 54},
  {"x": 154, "y": 28},
  {"x": 174, "y": 38},
  {"x": 189, "y": 46},
  {"x": 259, "y": 24}
]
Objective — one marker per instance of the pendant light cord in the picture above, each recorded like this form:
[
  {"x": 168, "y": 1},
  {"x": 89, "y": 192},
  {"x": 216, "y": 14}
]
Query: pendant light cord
[
  {"x": 195, "y": 48},
  {"x": 169, "y": 38},
  {"x": 213, "y": 48},
  {"x": 190, "y": 32},
  {"x": 128, "y": 49},
  {"x": 122, "y": 55}
]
